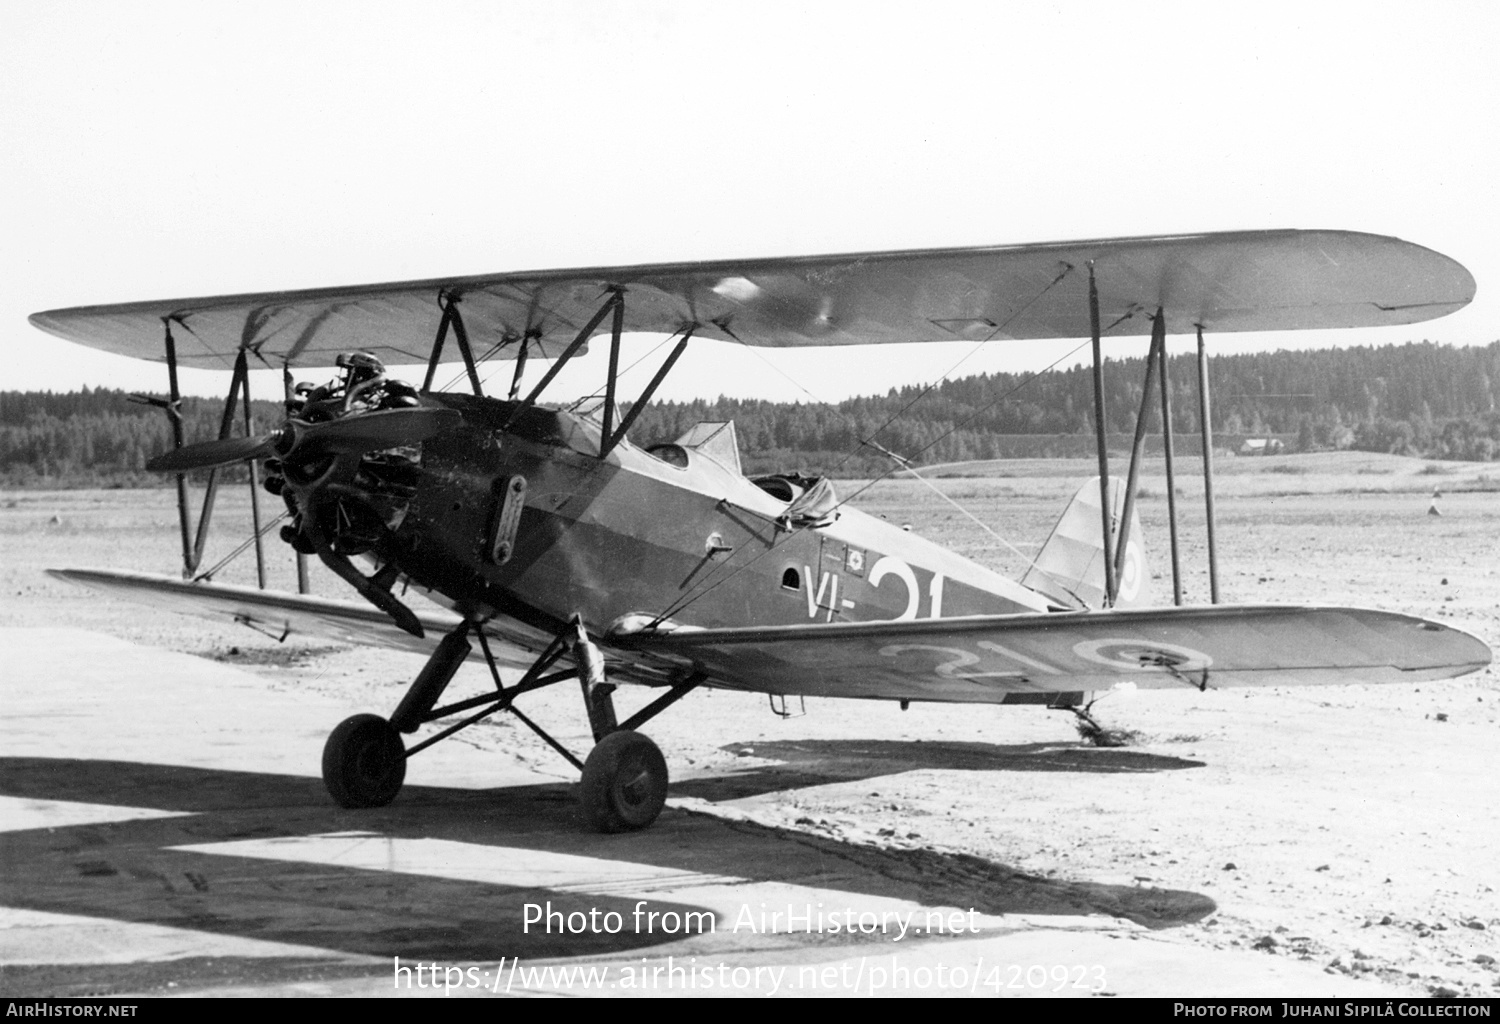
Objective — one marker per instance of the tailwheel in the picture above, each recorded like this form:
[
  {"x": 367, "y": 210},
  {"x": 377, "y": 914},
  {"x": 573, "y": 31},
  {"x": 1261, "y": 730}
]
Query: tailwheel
[
  {"x": 1091, "y": 731},
  {"x": 364, "y": 762},
  {"x": 624, "y": 782}
]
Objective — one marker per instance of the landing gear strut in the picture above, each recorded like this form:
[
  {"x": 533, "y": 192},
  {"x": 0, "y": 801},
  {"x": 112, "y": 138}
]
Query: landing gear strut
[{"x": 624, "y": 778}]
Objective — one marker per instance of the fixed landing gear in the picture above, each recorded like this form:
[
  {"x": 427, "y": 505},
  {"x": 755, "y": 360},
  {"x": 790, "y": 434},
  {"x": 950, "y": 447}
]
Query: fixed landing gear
[
  {"x": 364, "y": 762},
  {"x": 624, "y": 784}
]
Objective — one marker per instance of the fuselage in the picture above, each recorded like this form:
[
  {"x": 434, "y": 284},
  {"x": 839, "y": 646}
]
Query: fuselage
[{"x": 671, "y": 538}]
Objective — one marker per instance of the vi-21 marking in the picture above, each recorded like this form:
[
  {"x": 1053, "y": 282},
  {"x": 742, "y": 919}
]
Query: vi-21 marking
[{"x": 886, "y": 565}]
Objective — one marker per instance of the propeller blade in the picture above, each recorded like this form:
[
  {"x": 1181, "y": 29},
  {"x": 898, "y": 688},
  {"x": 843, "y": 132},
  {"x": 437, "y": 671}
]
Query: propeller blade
[
  {"x": 350, "y": 435},
  {"x": 372, "y": 431},
  {"x": 208, "y": 454}
]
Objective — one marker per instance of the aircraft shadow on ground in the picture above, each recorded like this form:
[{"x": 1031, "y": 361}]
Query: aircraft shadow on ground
[
  {"x": 129, "y": 871},
  {"x": 805, "y": 763}
]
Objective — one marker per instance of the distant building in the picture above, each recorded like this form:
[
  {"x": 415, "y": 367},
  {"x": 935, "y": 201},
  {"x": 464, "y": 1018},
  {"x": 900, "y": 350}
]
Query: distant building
[{"x": 1261, "y": 446}]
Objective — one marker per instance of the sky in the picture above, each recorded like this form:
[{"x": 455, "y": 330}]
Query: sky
[{"x": 180, "y": 149}]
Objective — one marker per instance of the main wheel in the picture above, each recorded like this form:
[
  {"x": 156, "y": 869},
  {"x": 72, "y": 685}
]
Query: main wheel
[
  {"x": 364, "y": 762},
  {"x": 624, "y": 783}
]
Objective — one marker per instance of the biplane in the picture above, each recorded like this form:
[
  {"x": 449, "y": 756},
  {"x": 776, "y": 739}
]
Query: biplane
[{"x": 565, "y": 552}]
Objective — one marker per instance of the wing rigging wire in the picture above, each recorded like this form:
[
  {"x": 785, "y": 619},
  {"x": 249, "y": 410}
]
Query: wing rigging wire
[
  {"x": 790, "y": 379},
  {"x": 1066, "y": 270},
  {"x": 1031, "y": 562},
  {"x": 578, "y": 403},
  {"x": 901, "y": 463},
  {"x": 463, "y": 373},
  {"x": 688, "y": 599},
  {"x": 966, "y": 420}
]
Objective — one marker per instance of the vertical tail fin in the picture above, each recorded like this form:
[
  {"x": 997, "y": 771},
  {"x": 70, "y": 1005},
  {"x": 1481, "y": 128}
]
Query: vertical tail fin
[{"x": 1070, "y": 567}]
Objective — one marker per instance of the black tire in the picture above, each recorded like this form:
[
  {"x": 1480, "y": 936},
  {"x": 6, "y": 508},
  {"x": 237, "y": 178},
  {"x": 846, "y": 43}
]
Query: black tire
[
  {"x": 624, "y": 783},
  {"x": 364, "y": 762}
]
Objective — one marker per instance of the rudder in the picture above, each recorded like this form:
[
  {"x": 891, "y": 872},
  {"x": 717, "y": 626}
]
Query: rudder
[{"x": 1069, "y": 569}]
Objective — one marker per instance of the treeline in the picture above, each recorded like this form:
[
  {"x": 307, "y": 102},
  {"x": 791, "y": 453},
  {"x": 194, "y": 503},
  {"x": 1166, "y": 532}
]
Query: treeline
[
  {"x": 101, "y": 438},
  {"x": 1420, "y": 399}
]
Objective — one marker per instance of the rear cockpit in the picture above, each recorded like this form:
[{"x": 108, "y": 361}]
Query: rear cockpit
[{"x": 809, "y": 501}]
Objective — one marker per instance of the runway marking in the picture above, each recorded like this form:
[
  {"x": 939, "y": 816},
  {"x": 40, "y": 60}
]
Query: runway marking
[{"x": 469, "y": 862}]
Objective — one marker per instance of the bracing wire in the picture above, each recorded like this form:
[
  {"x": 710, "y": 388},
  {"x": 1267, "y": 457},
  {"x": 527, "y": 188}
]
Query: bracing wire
[
  {"x": 689, "y": 599},
  {"x": 464, "y": 372},
  {"x": 210, "y": 573},
  {"x": 968, "y": 419},
  {"x": 904, "y": 464},
  {"x": 1066, "y": 270},
  {"x": 578, "y": 403},
  {"x": 901, "y": 463},
  {"x": 788, "y": 377},
  {"x": 1030, "y": 562}
]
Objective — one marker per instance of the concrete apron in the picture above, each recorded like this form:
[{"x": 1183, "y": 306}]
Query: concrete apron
[{"x": 163, "y": 830}]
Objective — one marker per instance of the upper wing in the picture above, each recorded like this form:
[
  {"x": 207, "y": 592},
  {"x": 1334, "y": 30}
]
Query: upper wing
[
  {"x": 981, "y": 659},
  {"x": 1241, "y": 281}
]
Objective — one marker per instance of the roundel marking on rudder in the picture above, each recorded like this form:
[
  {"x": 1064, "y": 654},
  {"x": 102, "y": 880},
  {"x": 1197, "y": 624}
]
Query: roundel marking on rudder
[{"x": 1135, "y": 571}]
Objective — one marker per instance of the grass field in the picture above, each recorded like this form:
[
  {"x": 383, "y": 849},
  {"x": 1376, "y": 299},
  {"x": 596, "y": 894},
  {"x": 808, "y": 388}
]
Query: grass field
[{"x": 1358, "y": 817}]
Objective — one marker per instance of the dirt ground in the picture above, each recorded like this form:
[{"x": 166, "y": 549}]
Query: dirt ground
[{"x": 1349, "y": 828}]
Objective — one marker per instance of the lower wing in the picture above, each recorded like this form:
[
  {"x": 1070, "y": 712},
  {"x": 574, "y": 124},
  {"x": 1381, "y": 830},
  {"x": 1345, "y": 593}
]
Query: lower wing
[
  {"x": 1000, "y": 659},
  {"x": 978, "y": 659},
  {"x": 281, "y": 615}
]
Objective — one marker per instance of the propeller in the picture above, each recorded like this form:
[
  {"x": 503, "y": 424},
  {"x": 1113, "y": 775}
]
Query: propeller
[
  {"x": 370, "y": 431},
  {"x": 348, "y": 435},
  {"x": 207, "y": 454}
]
